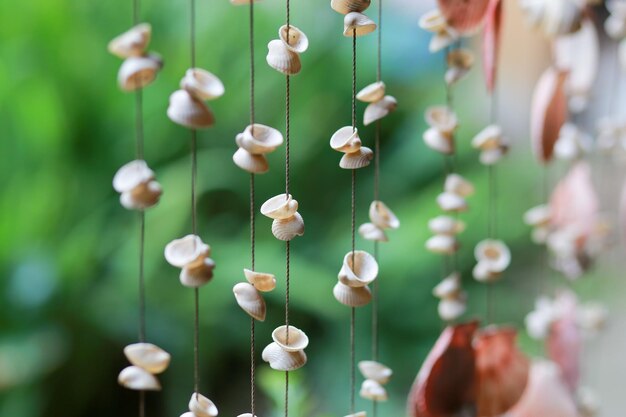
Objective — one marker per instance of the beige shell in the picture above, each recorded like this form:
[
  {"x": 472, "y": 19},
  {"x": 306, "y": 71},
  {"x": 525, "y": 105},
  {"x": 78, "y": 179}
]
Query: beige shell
[
  {"x": 357, "y": 24},
  {"x": 372, "y": 92},
  {"x": 492, "y": 156},
  {"x": 259, "y": 139},
  {"x": 138, "y": 71},
  {"x": 254, "y": 164},
  {"x": 346, "y": 140},
  {"x": 494, "y": 254},
  {"x": 148, "y": 357},
  {"x": 296, "y": 341},
  {"x": 281, "y": 206},
  {"x": 138, "y": 379},
  {"x": 483, "y": 273},
  {"x": 132, "y": 42},
  {"x": 458, "y": 185},
  {"x": 375, "y": 371},
  {"x": 142, "y": 197},
  {"x": 441, "y": 118},
  {"x": 282, "y": 59},
  {"x": 438, "y": 141},
  {"x": 449, "y": 287},
  {"x": 187, "y": 111},
  {"x": 287, "y": 229},
  {"x": 372, "y": 390},
  {"x": 347, "y": 6},
  {"x": 298, "y": 41},
  {"x": 131, "y": 175},
  {"x": 358, "y": 159},
  {"x": 488, "y": 138},
  {"x": 538, "y": 215},
  {"x": 202, "y": 84},
  {"x": 370, "y": 231},
  {"x": 451, "y": 308},
  {"x": 443, "y": 39},
  {"x": 352, "y": 297},
  {"x": 540, "y": 234},
  {"x": 451, "y": 202},
  {"x": 382, "y": 216},
  {"x": 250, "y": 300},
  {"x": 363, "y": 271},
  {"x": 615, "y": 25},
  {"x": 197, "y": 275},
  {"x": 378, "y": 110},
  {"x": 201, "y": 406},
  {"x": 281, "y": 360},
  {"x": 433, "y": 21},
  {"x": 187, "y": 251},
  {"x": 262, "y": 281},
  {"x": 446, "y": 225},
  {"x": 442, "y": 244},
  {"x": 460, "y": 61}
]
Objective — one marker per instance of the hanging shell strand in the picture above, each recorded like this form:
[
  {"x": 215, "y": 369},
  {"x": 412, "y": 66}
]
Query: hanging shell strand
[
  {"x": 186, "y": 105},
  {"x": 146, "y": 360},
  {"x": 375, "y": 375},
  {"x": 288, "y": 223}
]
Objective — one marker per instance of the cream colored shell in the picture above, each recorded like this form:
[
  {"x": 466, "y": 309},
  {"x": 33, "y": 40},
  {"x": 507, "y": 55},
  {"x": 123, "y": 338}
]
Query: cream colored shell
[
  {"x": 458, "y": 185},
  {"x": 449, "y": 287},
  {"x": 259, "y": 139},
  {"x": 372, "y": 93},
  {"x": 197, "y": 275},
  {"x": 358, "y": 270},
  {"x": 451, "y": 308},
  {"x": 188, "y": 111},
  {"x": 201, "y": 406},
  {"x": 188, "y": 251},
  {"x": 138, "y": 71},
  {"x": 375, "y": 371},
  {"x": 358, "y": 159},
  {"x": 133, "y": 42},
  {"x": 352, "y": 297},
  {"x": 488, "y": 138},
  {"x": 442, "y": 244},
  {"x": 372, "y": 390},
  {"x": 442, "y": 118},
  {"x": 297, "y": 42},
  {"x": 380, "y": 109},
  {"x": 460, "y": 61},
  {"x": 438, "y": 141},
  {"x": 202, "y": 84},
  {"x": 370, "y": 231},
  {"x": 357, "y": 24},
  {"x": 538, "y": 215},
  {"x": 287, "y": 229},
  {"x": 148, "y": 357},
  {"x": 494, "y": 254},
  {"x": 382, "y": 216},
  {"x": 451, "y": 202},
  {"x": 254, "y": 164},
  {"x": 281, "y": 206},
  {"x": 262, "y": 281},
  {"x": 282, "y": 59},
  {"x": 446, "y": 225},
  {"x": 347, "y": 6},
  {"x": 138, "y": 379},
  {"x": 282, "y": 360},
  {"x": 297, "y": 340},
  {"x": 346, "y": 140},
  {"x": 250, "y": 300},
  {"x": 142, "y": 197}
]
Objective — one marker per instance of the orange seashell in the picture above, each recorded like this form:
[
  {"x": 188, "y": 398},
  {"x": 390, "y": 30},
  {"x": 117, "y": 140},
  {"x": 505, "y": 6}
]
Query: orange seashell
[
  {"x": 564, "y": 340},
  {"x": 444, "y": 384},
  {"x": 491, "y": 42},
  {"x": 548, "y": 113},
  {"x": 463, "y": 15},
  {"x": 501, "y": 371}
]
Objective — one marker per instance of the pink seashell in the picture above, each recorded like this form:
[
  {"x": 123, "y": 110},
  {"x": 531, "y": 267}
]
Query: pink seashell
[
  {"x": 564, "y": 340},
  {"x": 491, "y": 42},
  {"x": 463, "y": 15}
]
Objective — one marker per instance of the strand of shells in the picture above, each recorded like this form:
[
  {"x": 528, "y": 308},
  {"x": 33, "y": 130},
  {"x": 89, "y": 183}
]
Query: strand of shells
[
  {"x": 192, "y": 255},
  {"x": 187, "y": 105},
  {"x": 248, "y": 294},
  {"x": 286, "y": 352},
  {"x": 443, "y": 34},
  {"x": 452, "y": 298},
  {"x": 442, "y": 123},
  {"x": 287, "y": 222},
  {"x": 147, "y": 360},
  {"x": 491, "y": 144},
  {"x": 381, "y": 219},
  {"x": 375, "y": 375},
  {"x": 283, "y": 54},
  {"x": 254, "y": 143},
  {"x": 359, "y": 269},
  {"x": 137, "y": 186}
]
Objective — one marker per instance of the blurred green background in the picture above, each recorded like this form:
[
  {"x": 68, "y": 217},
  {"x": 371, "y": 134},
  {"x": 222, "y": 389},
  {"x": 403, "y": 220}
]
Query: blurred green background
[{"x": 68, "y": 250}]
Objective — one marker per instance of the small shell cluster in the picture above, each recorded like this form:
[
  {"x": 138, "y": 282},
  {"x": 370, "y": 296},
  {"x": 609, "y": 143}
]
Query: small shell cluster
[
  {"x": 493, "y": 258},
  {"x": 200, "y": 406},
  {"x": 137, "y": 186},
  {"x": 187, "y": 105},
  {"x": 538, "y": 218},
  {"x": 554, "y": 17},
  {"x": 283, "y": 54},
  {"x": 358, "y": 270},
  {"x": 283, "y": 209},
  {"x": 376, "y": 376},
  {"x": 147, "y": 360},
  {"x": 460, "y": 62},
  {"x": 193, "y": 257},
  {"x": 381, "y": 218},
  {"x": 248, "y": 294},
  {"x": 286, "y": 352},
  {"x": 254, "y": 142},
  {"x": 491, "y": 144},
  {"x": 442, "y": 123},
  {"x": 140, "y": 67},
  {"x": 355, "y": 23},
  {"x": 452, "y": 298},
  {"x": 379, "y": 104},
  {"x": 347, "y": 141},
  {"x": 443, "y": 34}
]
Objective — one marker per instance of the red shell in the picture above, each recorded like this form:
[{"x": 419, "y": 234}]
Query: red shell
[
  {"x": 491, "y": 42},
  {"x": 564, "y": 341},
  {"x": 464, "y": 15}
]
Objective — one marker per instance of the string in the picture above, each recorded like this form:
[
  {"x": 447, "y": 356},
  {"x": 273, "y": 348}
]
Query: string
[
  {"x": 252, "y": 213},
  {"x": 353, "y": 233},
  {"x": 352, "y": 359},
  {"x": 252, "y": 366},
  {"x": 251, "y": 22},
  {"x": 287, "y": 187},
  {"x": 492, "y": 206}
]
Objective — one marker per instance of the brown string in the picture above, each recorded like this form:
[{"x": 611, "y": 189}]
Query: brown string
[
  {"x": 287, "y": 186},
  {"x": 352, "y": 360},
  {"x": 379, "y": 72},
  {"x": 354, "y": 79},
  {"x": 252, "y": 367},
  {"x": 251, "y": 24},
  {"x": 353, "y": 232}
]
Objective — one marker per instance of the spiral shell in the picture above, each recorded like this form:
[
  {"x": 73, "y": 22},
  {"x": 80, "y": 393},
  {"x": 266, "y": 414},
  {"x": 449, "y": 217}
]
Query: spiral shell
[
  {"x": 202, "y": 84},
  {"x": 250, "y": 300},
  {"x": 347, "y": 6},
  {"x": 358, "y": 159},
  {"x": 287, "y": 229},
  {"x": 281, "y": 206},
  {"x": 133, "y": 42},
  {"x": 297, "y": 42},
  {"x": 148, "y": 357},
  {"x": 375, "y": 371},
  {"x": 438, "y": 141},
  {"x": 201, "y": 406},
  {"x": 458, "y": 185},
  {"x": 298, "y": 340},
  {"x": 138, "y": 379},
  {"x": 262, "y": 281},
  {"x": 372, "y": 93},
  {"x": 359, "y": 269},
  {"x": 442, "y": 244},
  {"x": 352, "y": 297},
  {"x": 357, "y": 24},
  {"x": 372, "y": 390},
  {"x": 197, "y": 275},
  {"x": 255, "y": 164},
  {"x": 346, "y": 140},
  {"x": 382, "y": 216},
  {"x": 282, "y": 59},
  {"x": 370, "y": 231},
  {"x": 282, "y": 360},
  {"x": 259, "y": 139},
  {"x": 451, "y": 202},
  {"x": 188, "y": 111},
  {"x": 380, "y": 109},
  {"x": 446, "y": 225},
  {"x": 138, "y": 71}
]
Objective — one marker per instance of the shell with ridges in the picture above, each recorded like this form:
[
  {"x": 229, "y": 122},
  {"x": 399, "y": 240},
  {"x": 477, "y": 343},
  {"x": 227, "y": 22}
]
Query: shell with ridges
[
  {"x": 282, "y": 59},
  {"x": 188, "y": 111},
  {"x": 347, "y": 6},
  {"x": 133, "y": 42},
  {"x": 132, "y": 175},
  {"x": 138, "y": 379},
  {"x": 382, "y": 216},
  {"x": 282, "y": 360},
  {"x": 363, "y": 271},
  {"x": 287, "y": 229},
  {"x": 372, "y": 390},
  {"x": 375, "y": 371},
  {"x": 281, "y": 206},
  {"x": 148, "y": 357},
  {"x": 297, "y": 42},
  {"x": 138, "y": 71},
  {"x": 201, "y": 406},
  {"x": 358, "y": 159},
  {"x": 259, "y": 139},
  {"x": 186, "y": 251},
  {"x": 438, "y": 141},
  {"x": 298, "y": 340},
  {"x": 380, "y": 109},
  {"x": 357, "y": 24},
  {"x": 250, "y": 300},
  {"x": 369, "y": 231},
  {"x": 262, "y": 281},
  {"x": 196, "y": 276},
  {"x": 352, "y": 297},
  {"x": 254, "y": 164},
  {"x": 372, "y": 93},
  {"x": 346, "y": 140}
]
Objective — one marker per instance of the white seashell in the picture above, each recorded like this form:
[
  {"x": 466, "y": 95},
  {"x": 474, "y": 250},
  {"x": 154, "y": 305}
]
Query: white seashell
[
  {"x": 592, "y": 317},
  {"x": 131, "y": 175},
  {"x": 483, "y": 273},
  {"x": 352, "y": 297},
  {"x": 538, "y": 215},
  {"x": 492, "y": 156},
  {"x": 357, "y": 24},
  {"x": 148, "y": 357},
  {"x": 259, "y": 139},
  {"x": 442, "y": 40},
  {"x": 451, "y": 309},
  {"x": 142, "y": 197},
  {"x": 138, "y": 71},
  {"x": 250, "y": 300},
  {"x": 615, "y": 26},
  {"x": 197, "y": 275},
  {"x": 282, "y": 59},
  {"x": 287, "y": 229},
  {"x": 297, "y": 42},
  {"x": 255, "y": 164},
  {"x": 297, "y": 340},
  {"x": 539, "y": 235},
  {"x": 433, "y": 21},
  {"x": 201, "y": 406},
  {"x": 372, "y": 390},
  {"x": 446, "y": 225},
  {"x": 281, "y": 360},
  {"x": 460, "y": 61},
  {"x": 187, "y": 251},
  {"x": 359, "y": 269},
  {"x": 572, "y": 143},
  {"x": 262, "y": 281},
  {"x": 449, "y": 287},
  {"x": 132, "y": 42},
  {"x": 358, "y": 159},
  {"x": 370, "y": 231},
  {"x": 281, "y": 206},
  {"x": 187, "y": 111},
  {"x": 378, "y": 110},
  {"x": 375, "y": 371},
  {"x": 347, "y": 6},
  {"x": 488, "y": 138},
  {"x": 438, "y": 141},
  {"x": 372, "y": 93},
  {"x": 441, "y": 118},
  {"x": 494, "y": 254},
  {"x": 202, "y": 84},
  {"x": 382, "y": 216},
  {"x": 451, "y": 202},
  {"x": 138, "y": 379},
  {"x": 346, "y": 140},
  {"x": 442, "y": 244},
  {"x": 458, "y": 185}
]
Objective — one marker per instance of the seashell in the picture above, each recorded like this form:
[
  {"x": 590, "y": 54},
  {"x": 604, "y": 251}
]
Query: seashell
[
  {"x": 255, "y": 164},
  {"x": 382, "y": 216},
  {"x": 358, "y": 159},
  {"x": 492, "y": 156},
  {"x": 450, "y": 309},
  {"x": 375, "y": 371},
  {"x": 250, "y": 300},
  {"x": 202, "y": 84},
  {"x": 494, "y": 254},
  {"x": 442, "y": 244},
  {"x": 351, "y": 296},
  {"x": 442, "y": 40},
  {"x": 142, "y": 197},
  {"x": 539, "y": 235},
  {"x": 131, "y": 175},
  {"x": 372, "y": 93},
  {"x": 564, "y": 342},
  {"x": 372, "y": 390},
  {"x": 587, "y": 402},
  {"x": 488, "y": 138},
  {"x": 281, "y": 360},
  {"x": 138, "y": 71},
  {"x": 262, "y": 281},
  {"x": 281, "y": 206},
  {"x": 539, "y": 321},
  {"x": 572, "y": 143},
  {"x": 187, "y": 111},
  {"x": 451, "y": 202},
  {"x": 188, "y": 251},
  {"x": 346, "y": 140},
  {"x": 446, "y": 225},
  {"x": 460, "y": 61},
  {"x": 282, "y": 59},
  {"x": 295, "y": 341},
  {"x": 482, "y": 273},
  {"x": 148, "y": 357},
  {"x": 458, "y": 185},
  {"x": 615, "y": 25},
  {"x": 357, "y": 414},
  {"x": 378, "y": 110},
  {"x": 287, "y": 229},
  {"x": 592, "y": 317},
  {"x": 464, "y": 16},
  {"x": 538, "y": 216},
  {"x": 259, "y": 139},
  {"x": 433, "y": 21},
  {"x": 359, "y": 269},
  {"x": 491, "y": 42},
  {"x": 297, "y": 42},
  {"x": 198, "y": 275},
  {"x": 438, "y": 141},
  {"x": 201, "y": 406},
  {"x": 138, "y": 379},
  {"x": 442, "y": 118},
  {"x": 347, "y": 6},
  {"x": 370, "y": 231},
  {"x": 132, "y": 42},
  {"x": 449, "y": 287},
  {"x": 357, "y": 24}
]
